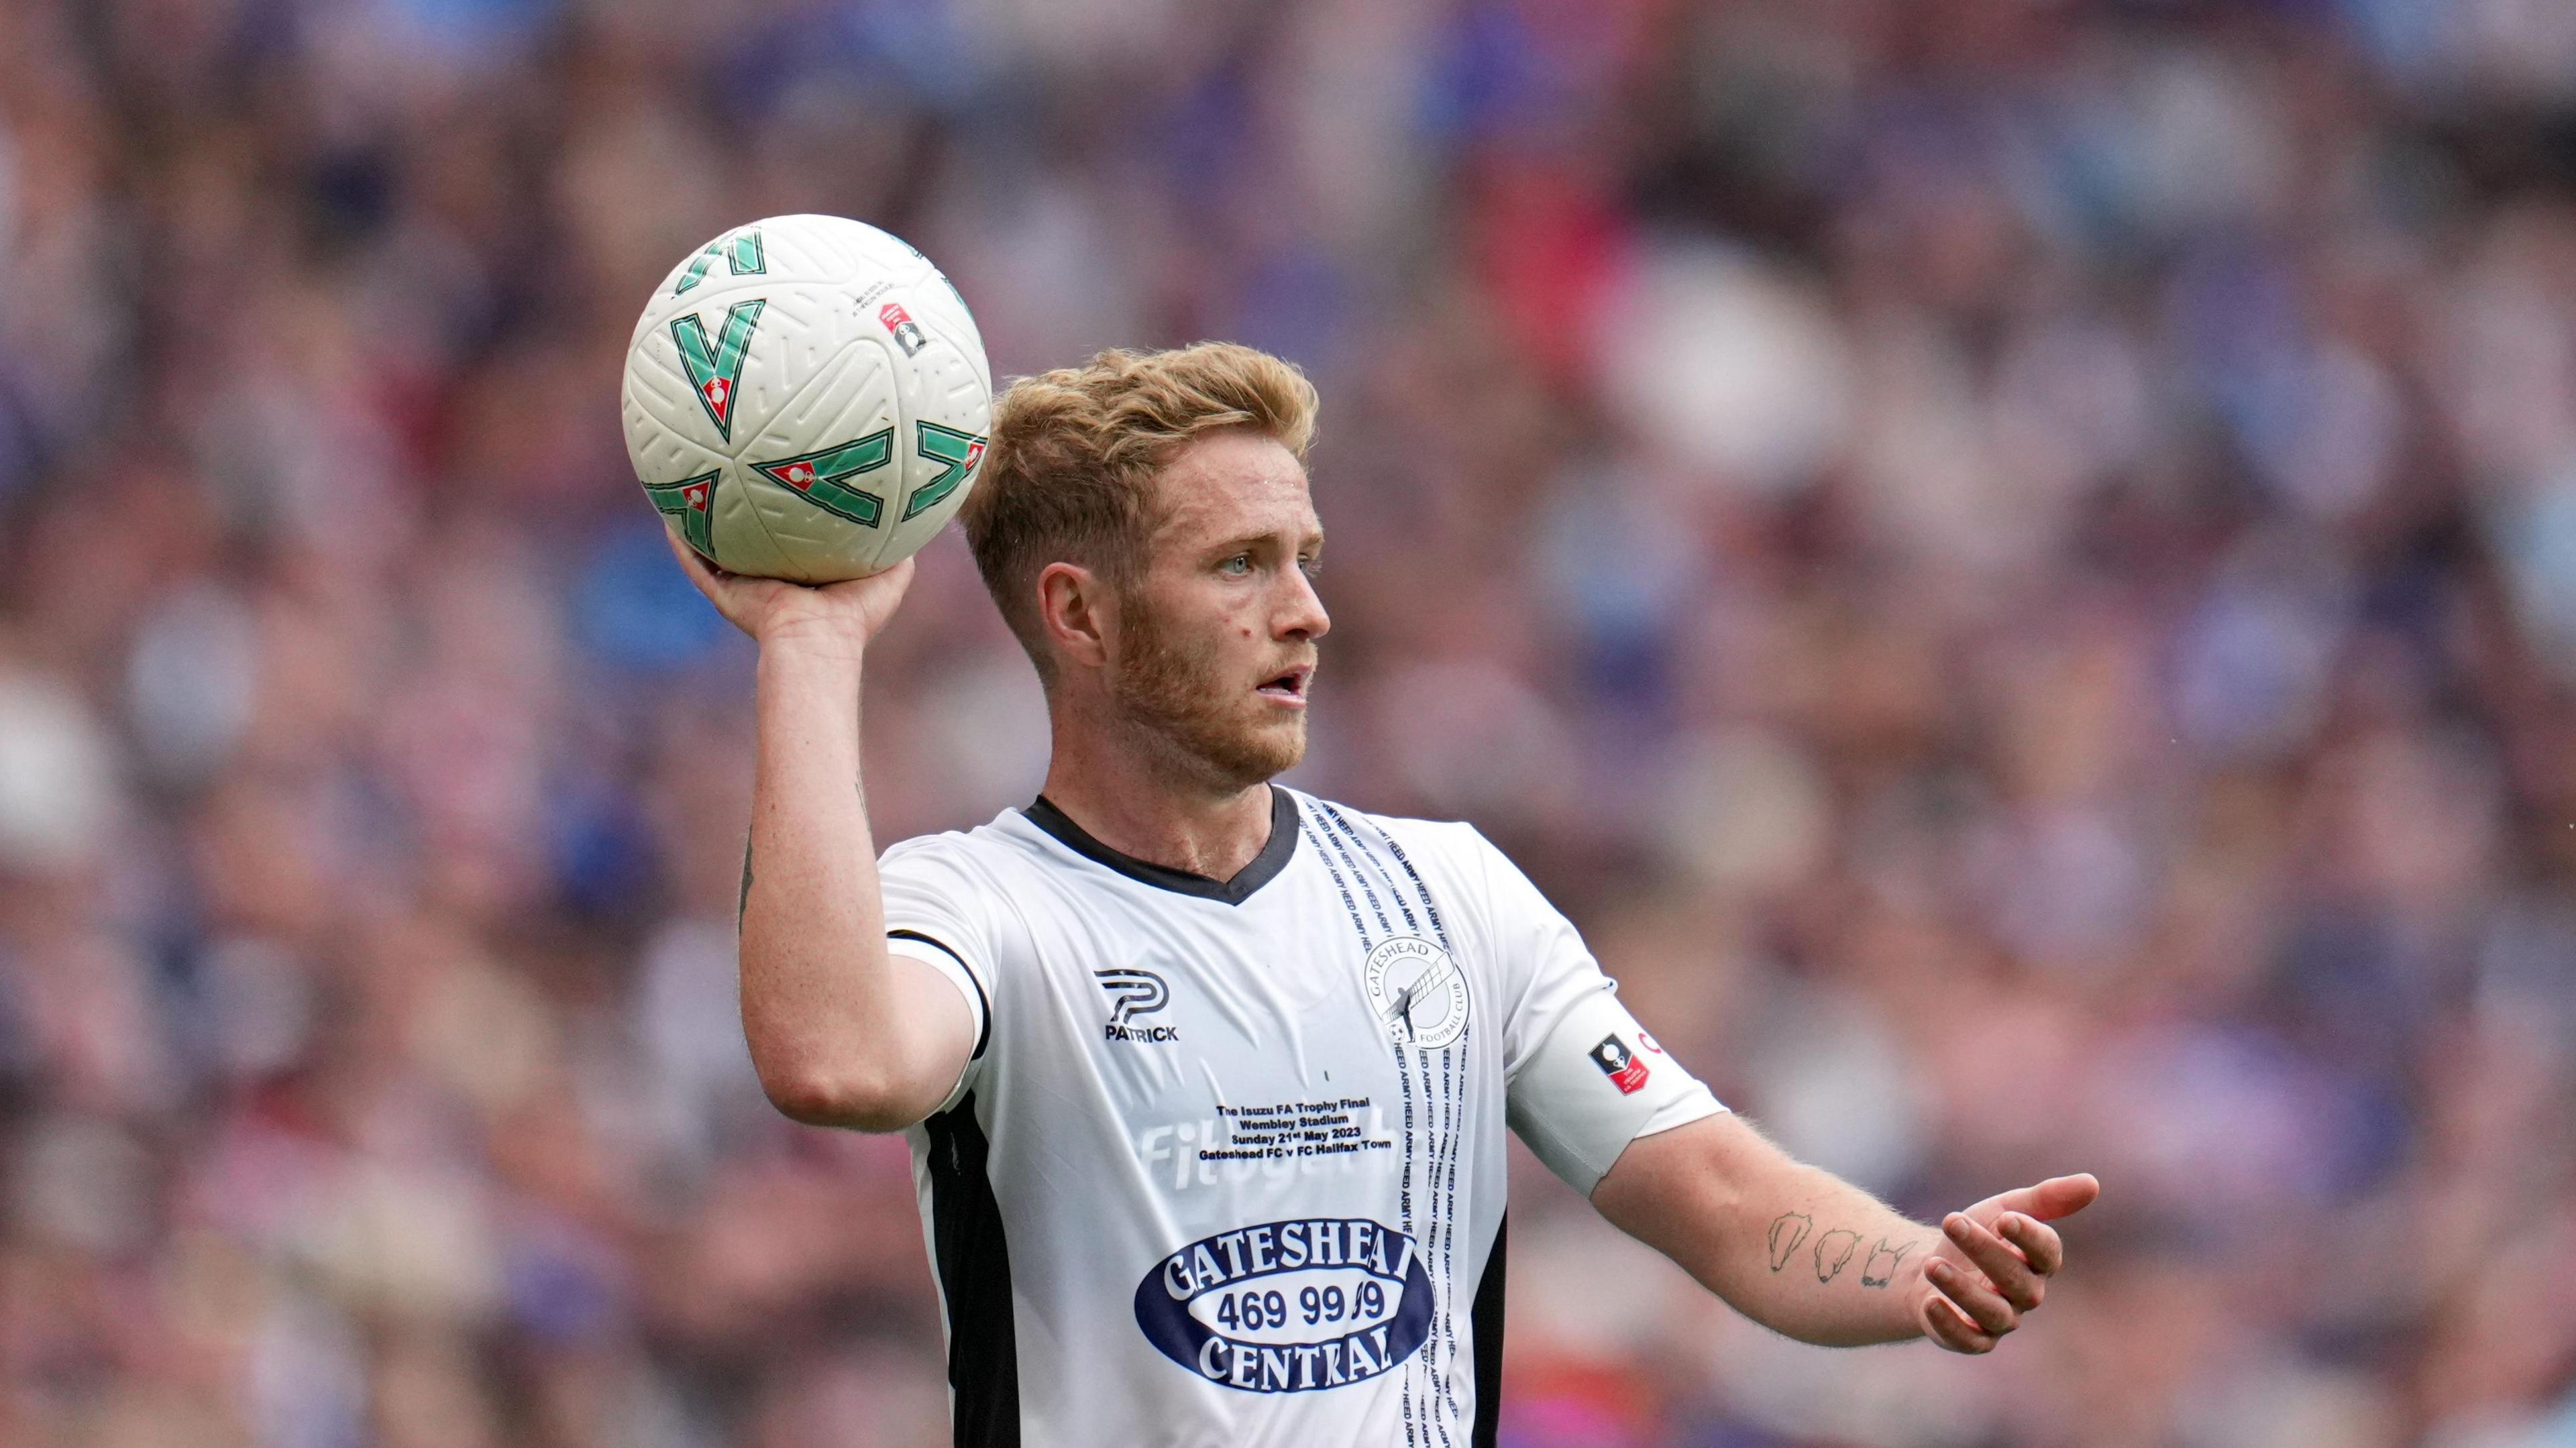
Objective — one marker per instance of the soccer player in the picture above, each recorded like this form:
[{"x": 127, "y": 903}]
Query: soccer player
[{"x": 1206, "y": 1079}]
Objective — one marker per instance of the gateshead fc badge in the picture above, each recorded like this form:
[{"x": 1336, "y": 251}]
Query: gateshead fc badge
[{"x": 1418, "y": 990}]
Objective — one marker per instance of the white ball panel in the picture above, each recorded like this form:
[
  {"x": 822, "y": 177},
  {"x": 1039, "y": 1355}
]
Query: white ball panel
[
  {"x": 936, "y": 302},
  {"x": 743, "y": 541},
  {"x": 800, "y": 338},
  {"x": 866, "y": 249},
  {"x": 851, "y": 401},
  {"x": 657, "y": 403}
]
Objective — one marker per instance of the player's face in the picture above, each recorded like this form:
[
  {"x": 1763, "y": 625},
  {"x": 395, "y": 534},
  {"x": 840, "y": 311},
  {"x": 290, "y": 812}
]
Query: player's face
[{"x": 1216, "y": 641}]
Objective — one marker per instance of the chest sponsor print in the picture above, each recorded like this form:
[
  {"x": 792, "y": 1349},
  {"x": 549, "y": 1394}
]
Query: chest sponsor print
[{"x": 1289, "y": 1307}]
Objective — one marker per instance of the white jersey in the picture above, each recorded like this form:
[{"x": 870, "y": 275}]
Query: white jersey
[{"x": 1227, "y": 1165}]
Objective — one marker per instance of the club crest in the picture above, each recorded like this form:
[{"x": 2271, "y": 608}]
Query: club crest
[{"x": 1418, "y": 991}]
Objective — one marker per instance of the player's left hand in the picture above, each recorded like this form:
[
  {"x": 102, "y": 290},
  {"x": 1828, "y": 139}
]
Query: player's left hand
[{"x": 1994, "y": 1263}]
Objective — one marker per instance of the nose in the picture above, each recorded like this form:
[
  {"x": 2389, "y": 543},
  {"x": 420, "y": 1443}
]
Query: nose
[{"x": 1302, "y": 615}]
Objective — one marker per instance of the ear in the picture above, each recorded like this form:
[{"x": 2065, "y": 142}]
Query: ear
[{"x": 1076, "y": 612}]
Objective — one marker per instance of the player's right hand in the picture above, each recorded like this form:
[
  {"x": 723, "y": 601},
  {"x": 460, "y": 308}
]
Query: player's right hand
[
  {"x": 1993, "y": 1266},
  {"x": 837, "y": 619}
]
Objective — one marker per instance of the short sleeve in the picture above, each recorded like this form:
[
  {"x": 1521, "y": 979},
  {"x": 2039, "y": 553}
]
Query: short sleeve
[
  {"x": 1584, "y": 1078},
  {"x": 936, "y": 913}
]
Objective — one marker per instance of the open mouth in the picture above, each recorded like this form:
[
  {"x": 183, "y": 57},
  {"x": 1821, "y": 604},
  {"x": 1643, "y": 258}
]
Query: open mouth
[{"x": 1289, "y": 687}]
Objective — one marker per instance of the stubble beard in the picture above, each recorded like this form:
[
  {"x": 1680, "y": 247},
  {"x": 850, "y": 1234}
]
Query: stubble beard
[{"x": 1179, "y": 695}]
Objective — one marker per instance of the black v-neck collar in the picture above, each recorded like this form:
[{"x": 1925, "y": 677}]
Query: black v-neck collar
[{"x": 1265, "y": 866}]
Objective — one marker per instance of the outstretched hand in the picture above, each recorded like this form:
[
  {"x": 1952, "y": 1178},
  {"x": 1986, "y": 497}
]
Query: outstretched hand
[
  {"x": 1994, "y": 1263},
  {"x": 837, "y": 618}
]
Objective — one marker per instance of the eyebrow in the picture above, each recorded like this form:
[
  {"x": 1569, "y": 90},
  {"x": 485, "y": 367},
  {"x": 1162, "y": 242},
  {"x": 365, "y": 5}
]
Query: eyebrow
[{"x": 1255, "y": 540}]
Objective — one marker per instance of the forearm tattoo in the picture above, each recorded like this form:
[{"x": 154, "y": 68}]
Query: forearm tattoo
[
  {"x": 1880, "y": 1269},
  {"x": 1788, "y": 1230},
  {"x": 1833, "y": 1251}
]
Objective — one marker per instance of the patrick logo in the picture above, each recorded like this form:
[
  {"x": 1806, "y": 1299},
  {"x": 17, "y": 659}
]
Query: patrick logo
[{"x": 715, "y": 369}]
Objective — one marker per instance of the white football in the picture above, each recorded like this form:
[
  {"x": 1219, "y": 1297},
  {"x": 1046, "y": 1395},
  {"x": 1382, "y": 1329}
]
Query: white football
[{"x": 806, "y": 398}]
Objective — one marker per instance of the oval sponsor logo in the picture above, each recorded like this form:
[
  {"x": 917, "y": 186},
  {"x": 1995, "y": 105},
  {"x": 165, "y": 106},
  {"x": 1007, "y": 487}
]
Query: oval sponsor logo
[{"x": 1289, "y": 1307}]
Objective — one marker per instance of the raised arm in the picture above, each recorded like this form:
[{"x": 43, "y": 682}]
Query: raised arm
[
  {"x": 1808, "y": 1254},
  {"x": 842, "y": 1032}
]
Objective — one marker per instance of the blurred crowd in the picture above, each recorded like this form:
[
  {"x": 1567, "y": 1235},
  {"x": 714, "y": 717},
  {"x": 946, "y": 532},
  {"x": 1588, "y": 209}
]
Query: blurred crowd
[{"x": 2011, "y": 562}]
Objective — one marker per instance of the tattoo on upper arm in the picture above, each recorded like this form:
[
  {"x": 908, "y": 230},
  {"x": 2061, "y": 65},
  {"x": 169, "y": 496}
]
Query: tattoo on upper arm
[
  {"x": 1880, "y": 1269},
  {"x": 744, "y": 908},
  {"x": 1833, "y": 1251},
  {"x": 1788, "y": 1230}
]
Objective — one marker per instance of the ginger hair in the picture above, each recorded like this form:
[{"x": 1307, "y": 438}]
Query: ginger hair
[{"x": 1069, "y": 473}]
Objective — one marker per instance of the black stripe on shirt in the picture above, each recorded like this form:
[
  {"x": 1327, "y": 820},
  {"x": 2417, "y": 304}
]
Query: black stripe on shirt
[
  {"x": 974, "y": 1264},
  {"x": 1485, "y": 1320}
]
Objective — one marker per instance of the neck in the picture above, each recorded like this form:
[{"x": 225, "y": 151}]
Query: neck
[{"x": 1139, "y": 800}]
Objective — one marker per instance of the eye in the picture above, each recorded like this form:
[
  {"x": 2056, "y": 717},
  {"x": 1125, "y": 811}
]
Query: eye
[
  {"x": 1237, "y": 566},
  {"x": 1312, "y": 565}
]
